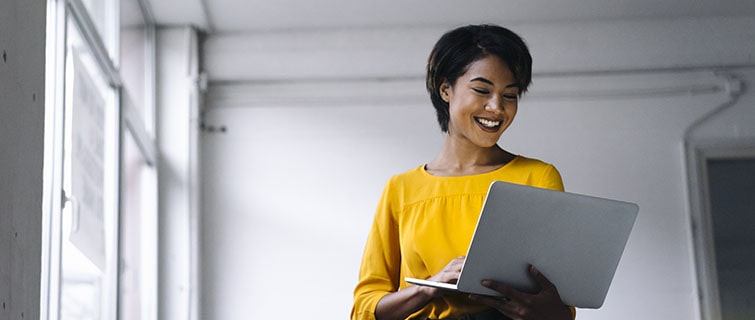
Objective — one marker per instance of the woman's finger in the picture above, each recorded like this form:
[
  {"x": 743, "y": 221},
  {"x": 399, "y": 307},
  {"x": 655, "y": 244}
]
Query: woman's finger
[
  {"x": 449, "y": 273},
  {"x": 540, "y": 279},
  {"x": 502, "y": 304},
  {"x": 505, "y": 290}
]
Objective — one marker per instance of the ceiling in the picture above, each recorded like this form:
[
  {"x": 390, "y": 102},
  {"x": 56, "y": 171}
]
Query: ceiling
[{"x": 228, "y": 16}]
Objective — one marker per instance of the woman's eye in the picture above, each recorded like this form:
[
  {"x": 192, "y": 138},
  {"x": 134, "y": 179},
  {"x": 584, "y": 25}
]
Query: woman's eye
[
  {"x": 480, "y": 91},
  {"x": 510, "y": 97}
]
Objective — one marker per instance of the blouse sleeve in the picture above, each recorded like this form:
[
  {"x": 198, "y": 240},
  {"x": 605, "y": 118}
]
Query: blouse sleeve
[
  {"x": 379, "y": 273},
  {"x": 551, "y": 179}
]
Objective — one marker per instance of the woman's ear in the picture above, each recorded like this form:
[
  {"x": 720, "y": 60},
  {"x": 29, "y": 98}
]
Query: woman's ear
[{"x": 444, "y": 90}]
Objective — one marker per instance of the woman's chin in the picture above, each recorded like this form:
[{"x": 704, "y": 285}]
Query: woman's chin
[{"x": 487, "y": 144}]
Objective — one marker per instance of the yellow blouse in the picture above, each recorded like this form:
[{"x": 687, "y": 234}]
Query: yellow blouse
[{"x": 422, "y": 222}]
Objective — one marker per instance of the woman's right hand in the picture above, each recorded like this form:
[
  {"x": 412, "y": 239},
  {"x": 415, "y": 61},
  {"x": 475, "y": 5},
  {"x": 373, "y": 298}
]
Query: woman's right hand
[
  {"x": 449, "y": 274},
  {"x": 402, "y": 303}
]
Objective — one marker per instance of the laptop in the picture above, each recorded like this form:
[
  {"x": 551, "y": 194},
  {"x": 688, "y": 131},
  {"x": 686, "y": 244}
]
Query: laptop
[{"x": 574, "y": 240}]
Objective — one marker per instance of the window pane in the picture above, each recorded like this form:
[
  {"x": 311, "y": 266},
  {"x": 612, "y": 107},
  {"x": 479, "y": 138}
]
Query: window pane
[
  {"x": 89, "y": 242},
  {"x": 102, "y": 13},
  {"x": 138, "y": 216},
  {"x": 133, "y": 68},
  {"x": 138, "y": 235}
]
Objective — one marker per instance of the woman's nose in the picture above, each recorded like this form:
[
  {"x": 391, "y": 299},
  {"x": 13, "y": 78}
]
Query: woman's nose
[{"x": 494, "y": 104}]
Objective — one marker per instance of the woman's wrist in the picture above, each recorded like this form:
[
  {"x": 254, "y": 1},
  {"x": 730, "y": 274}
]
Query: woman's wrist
[
  {"x": 423, "y": 293},
  {"x": 402, "y": 303}
]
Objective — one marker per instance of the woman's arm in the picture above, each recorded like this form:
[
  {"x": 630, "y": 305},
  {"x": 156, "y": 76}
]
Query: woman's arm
[{"x": 402, "y": 303}]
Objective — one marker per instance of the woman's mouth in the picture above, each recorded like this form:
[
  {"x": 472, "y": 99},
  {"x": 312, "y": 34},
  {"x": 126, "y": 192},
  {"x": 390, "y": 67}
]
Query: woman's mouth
[{"x": 488, "y": 125}]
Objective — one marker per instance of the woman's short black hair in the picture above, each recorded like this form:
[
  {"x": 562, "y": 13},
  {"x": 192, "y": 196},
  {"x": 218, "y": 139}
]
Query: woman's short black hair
[{"x": 459, "y": 48}]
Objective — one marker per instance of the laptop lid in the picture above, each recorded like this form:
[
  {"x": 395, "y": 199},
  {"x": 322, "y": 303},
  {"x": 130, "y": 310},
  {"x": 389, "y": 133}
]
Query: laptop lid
[{"x": 575, "y": 240}]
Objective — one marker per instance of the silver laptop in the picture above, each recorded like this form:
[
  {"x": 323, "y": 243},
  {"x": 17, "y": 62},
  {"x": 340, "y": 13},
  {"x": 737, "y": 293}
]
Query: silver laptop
[{"x": 575, "y": 240}]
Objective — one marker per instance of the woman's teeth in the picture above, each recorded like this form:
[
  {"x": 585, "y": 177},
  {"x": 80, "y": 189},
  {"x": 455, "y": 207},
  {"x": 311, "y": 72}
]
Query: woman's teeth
[{"x": 488, "y": 123}]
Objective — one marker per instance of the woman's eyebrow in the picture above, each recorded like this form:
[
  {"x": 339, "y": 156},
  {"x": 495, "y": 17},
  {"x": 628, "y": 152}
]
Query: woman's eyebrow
[{"x": 481, "y": 79}]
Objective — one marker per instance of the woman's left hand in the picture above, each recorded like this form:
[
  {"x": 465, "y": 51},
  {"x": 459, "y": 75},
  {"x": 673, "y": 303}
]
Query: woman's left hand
[{"x": 518, "y": 305}]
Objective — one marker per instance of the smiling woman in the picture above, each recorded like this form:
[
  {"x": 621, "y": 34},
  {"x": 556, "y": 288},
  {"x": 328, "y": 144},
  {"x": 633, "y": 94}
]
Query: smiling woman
[
  {"x": 456, "y": 52},
  {"x": 484, "y": 101},
  {"x": 426, "y": 216}
]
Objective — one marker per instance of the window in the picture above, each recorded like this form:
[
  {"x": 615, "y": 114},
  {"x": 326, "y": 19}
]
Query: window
[
  {"x": 89, "y": 220},
  {"x": 100, "y": 221},
  {"x": 138, "y": 219}
]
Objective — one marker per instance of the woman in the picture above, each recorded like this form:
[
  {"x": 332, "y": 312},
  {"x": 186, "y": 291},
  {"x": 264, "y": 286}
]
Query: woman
[{"x": 426, "y": 216}]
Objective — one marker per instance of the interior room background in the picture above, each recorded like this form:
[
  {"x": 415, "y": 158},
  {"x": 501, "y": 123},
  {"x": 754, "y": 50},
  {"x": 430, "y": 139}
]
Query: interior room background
[{"x": 278, "y": 124}]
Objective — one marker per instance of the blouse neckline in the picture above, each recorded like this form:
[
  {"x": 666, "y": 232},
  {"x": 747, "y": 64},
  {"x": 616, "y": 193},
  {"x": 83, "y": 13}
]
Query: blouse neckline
[{"x": 423, "y": 169}]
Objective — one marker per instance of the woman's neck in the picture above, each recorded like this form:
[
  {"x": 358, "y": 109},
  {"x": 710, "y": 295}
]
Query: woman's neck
[{"x": 460, "y": 159}]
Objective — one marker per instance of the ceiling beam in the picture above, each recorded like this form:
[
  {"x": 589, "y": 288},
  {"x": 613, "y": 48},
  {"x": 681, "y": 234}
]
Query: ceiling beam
[
  {"x": 393, "y": 53},
  {"x": 181, "y": 13}
]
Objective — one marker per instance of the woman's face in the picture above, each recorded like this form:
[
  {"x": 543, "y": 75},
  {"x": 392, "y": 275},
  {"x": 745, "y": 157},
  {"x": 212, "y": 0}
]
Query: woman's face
[{"x": 482, "y": 102}]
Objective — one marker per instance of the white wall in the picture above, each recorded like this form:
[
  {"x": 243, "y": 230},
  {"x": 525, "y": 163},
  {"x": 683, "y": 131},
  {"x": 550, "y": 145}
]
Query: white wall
[
  {"x": 291, "y": 185},
  {"x": 22, "y": 95}
]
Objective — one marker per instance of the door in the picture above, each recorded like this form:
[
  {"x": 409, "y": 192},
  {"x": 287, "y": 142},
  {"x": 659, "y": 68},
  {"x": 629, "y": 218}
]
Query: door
[{"x": 731, "y": 188}]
